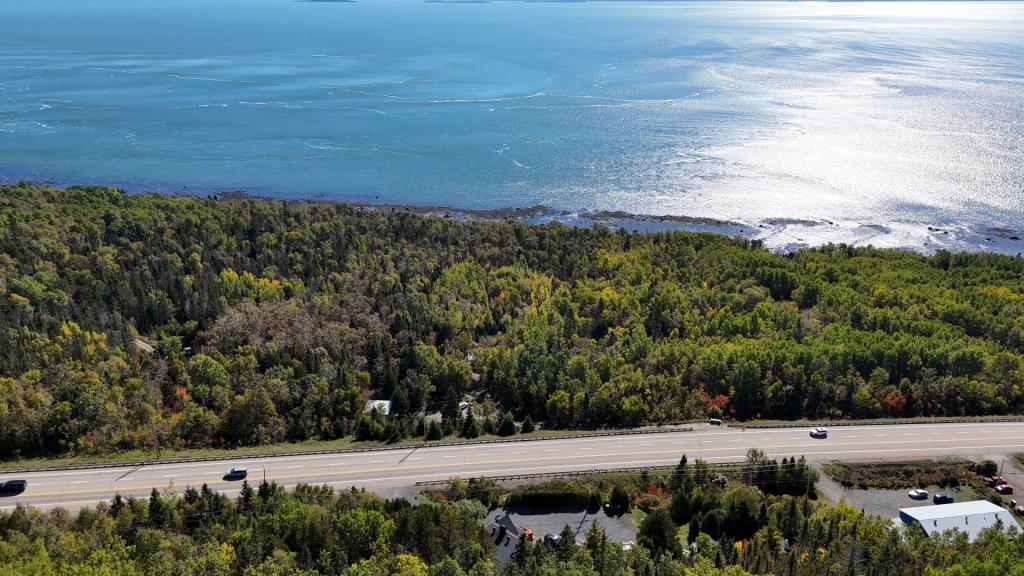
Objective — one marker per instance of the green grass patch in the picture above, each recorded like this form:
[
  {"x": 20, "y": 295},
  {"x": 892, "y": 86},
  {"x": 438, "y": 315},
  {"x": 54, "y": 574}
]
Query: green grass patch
[
  {"x": 894, "y": 475},
  {"x": 638, "y": 516},
  {"x": 557, "y": 492}
]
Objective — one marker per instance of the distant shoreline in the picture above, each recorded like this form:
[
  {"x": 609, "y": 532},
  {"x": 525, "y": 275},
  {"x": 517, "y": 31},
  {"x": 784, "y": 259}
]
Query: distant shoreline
[{"x": 776, "y": 234}]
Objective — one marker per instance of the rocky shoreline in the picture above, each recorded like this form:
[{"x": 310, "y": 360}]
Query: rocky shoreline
[{"x": 777, "y": 234}]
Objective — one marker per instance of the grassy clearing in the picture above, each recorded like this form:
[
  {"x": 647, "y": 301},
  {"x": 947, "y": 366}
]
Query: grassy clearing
[
  {"x": 897, "y": 475},
  {"x": 638, "y": 516}
]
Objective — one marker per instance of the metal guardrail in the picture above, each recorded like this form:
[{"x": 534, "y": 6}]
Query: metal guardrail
[
  {"x": 575, "y": 473},
  {"x": 139, "y": 463},
  {"x": 882, "y": 422}
]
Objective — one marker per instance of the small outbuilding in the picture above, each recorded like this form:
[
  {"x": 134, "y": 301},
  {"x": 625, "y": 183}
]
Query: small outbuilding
[
  {"x": 382, "y": 406},
  {"x": 968, "y": 517}
]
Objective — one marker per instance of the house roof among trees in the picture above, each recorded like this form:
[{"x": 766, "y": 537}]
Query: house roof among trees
[{"x": 382, "y": 406}]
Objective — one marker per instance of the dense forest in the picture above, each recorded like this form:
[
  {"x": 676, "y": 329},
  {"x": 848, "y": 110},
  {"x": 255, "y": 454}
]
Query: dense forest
[
  {"x": 696, "y": 523},
  {"x": 128, "y": 321}
]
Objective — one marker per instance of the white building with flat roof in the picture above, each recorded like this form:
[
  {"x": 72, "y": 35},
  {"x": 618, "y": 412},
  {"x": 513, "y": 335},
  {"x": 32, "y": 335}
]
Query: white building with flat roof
[{"x": 968, "y": 517}]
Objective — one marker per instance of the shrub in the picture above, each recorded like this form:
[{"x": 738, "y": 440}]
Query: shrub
[
  {"x": 434, "y": 431},
  {"x": 652, "y": 499},
  {"x": 620, "y": 498},
  {"x": 484, "y": 490},
  {"x": 527, "y": 426},
  {"x": 553, "y": 493},
  {"x": 986, "y": 467},
  {"x": 507, "y": 427}
]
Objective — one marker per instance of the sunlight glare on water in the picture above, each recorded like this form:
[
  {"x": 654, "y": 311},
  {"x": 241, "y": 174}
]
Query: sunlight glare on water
[{"x": 838, "y": 121}]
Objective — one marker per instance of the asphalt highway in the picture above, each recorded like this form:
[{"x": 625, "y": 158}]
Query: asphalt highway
[{"x": 390, "y": 471}]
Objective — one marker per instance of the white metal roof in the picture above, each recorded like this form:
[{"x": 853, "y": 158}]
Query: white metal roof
[
  {"x": 382, "y": 406},
  {"x": 969, "y": 517}
]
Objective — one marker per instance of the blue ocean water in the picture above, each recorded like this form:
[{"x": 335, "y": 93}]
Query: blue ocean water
[{"x": 847, "y": 121}]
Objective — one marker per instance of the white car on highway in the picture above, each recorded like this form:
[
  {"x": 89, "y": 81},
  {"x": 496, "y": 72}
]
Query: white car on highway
[{"x": 819, "y": 432}]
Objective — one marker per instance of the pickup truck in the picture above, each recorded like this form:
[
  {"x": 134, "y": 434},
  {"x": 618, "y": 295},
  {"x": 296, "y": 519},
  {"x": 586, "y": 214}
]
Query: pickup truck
[{"x": 236, "y": 474}]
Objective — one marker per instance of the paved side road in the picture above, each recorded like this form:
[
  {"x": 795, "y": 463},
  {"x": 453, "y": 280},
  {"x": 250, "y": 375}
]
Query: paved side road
[{"x": 392, "y": 471}]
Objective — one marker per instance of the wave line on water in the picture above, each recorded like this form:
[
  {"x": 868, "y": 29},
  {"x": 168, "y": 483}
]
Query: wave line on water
[{"x": 206, "y": 79}]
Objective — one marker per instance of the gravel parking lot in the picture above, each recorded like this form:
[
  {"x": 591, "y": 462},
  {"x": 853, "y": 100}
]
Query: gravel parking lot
[{"x": 887, "y": 503}]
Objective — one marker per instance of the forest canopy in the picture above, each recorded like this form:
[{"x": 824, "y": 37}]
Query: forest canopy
[{"x": 131, "y": 320}]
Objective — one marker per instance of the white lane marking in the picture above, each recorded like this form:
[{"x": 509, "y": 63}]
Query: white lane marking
[
  {"x": 448, "y": 474},
  {"x": 329, "y": 464},
  {"x": 496, "y": 471},
  {"x": 294, "y": 467},
  {"x": 327, "y": 460},
  {"x": 63, "y": 504},
  {"x": 80, "y": 482}
]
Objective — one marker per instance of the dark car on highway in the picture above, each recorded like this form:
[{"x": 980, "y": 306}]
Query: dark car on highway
[
  {"x": 942, "y": 498},
  {"x": 13, "y": 486},
  {"x": 236, "y": 474}
]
